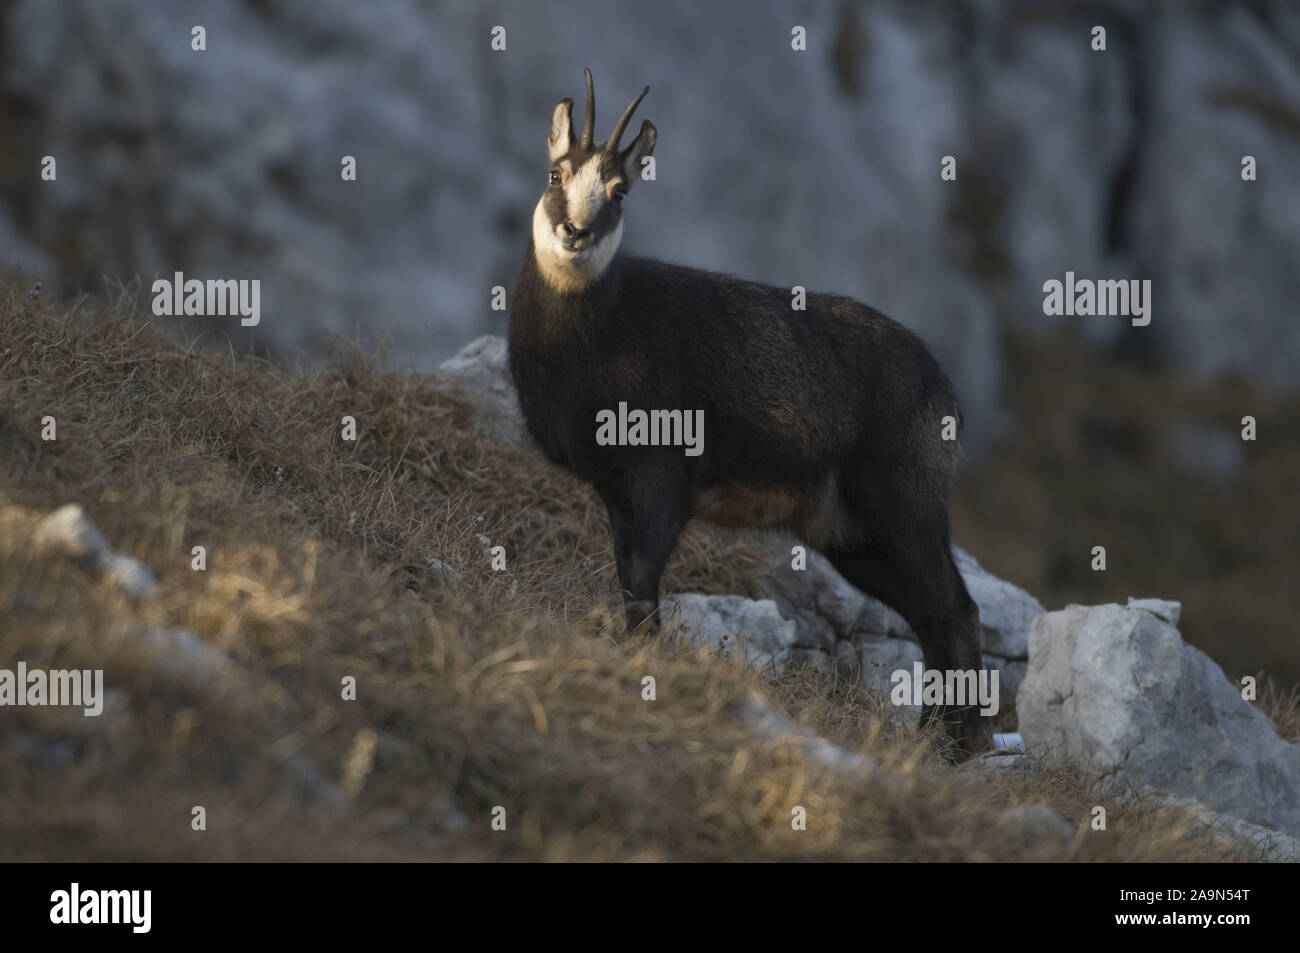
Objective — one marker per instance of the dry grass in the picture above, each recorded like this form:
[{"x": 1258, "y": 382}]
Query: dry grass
[{"x": 504, "y": 689}]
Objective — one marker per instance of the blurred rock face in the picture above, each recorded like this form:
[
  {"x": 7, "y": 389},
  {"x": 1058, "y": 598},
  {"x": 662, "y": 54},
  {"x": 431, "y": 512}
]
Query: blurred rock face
[{"x": 817, "y": 168}]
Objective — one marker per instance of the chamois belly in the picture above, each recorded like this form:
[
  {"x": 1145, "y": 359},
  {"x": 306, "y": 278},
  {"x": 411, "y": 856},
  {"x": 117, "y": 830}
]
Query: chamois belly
[
  {"x": 817, "y": 513},
  {"x": 739, "y": 505}
]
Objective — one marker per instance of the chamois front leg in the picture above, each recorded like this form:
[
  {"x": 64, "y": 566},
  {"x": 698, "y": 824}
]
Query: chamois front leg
[{"x": 646, "y": 519}]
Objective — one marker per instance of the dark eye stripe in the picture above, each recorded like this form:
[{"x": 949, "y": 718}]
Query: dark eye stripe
[{"x": 556, "y": 205}]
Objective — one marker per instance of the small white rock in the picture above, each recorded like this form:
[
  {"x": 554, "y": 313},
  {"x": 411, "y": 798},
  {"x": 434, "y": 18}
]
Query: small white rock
[{"x": 69, "y": 531}]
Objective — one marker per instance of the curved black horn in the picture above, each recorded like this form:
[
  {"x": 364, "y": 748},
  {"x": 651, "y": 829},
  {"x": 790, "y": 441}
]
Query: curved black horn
[
  {"x": 589, "y": 123},
  {"x": 623, "y": 120}
]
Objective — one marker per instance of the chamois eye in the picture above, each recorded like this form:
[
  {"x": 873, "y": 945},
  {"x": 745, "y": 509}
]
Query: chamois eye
[
  {"x": 618, "y": 195},
  {"x": 555, "y": 177}
]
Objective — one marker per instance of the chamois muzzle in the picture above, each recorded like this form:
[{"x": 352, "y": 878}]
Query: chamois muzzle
[{"x": 573, "y": 236}]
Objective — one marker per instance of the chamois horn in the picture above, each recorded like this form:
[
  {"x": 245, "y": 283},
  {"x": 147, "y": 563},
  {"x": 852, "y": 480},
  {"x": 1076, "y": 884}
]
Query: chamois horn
[
  {"x": 589, "y": 122},
  {"x": 623, "y": 120}
]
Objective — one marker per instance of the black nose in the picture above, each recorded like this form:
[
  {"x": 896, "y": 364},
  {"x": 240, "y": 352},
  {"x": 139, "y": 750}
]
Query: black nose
[{"x": 573, "y": 234}]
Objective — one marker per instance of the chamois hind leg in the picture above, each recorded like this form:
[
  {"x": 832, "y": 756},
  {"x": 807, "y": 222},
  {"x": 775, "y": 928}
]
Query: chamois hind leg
[
  {"x": 914, "y": 574},
  {"x": 647, "y": 515}
]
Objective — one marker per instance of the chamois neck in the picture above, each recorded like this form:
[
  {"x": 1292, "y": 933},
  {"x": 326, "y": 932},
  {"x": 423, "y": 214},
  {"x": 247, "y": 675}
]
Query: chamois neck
[{"x": 544, "y": 317}]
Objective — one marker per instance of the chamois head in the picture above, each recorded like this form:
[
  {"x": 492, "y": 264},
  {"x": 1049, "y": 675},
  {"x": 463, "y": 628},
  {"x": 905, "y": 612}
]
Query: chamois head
[{"x": 578, "y": 222}]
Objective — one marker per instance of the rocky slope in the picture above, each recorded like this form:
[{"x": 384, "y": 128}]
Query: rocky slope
[
  {"x": 348, "y": 674},
  {"x": 1112, "y": 690}
]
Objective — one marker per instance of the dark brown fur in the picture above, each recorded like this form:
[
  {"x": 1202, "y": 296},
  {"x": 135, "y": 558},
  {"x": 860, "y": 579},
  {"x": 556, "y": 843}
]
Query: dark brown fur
[{"x": 826, "y": 422}]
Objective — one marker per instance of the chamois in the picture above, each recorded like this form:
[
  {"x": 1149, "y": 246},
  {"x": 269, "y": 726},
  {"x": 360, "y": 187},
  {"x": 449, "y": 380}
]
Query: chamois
[{"x": 826, "y": 422}]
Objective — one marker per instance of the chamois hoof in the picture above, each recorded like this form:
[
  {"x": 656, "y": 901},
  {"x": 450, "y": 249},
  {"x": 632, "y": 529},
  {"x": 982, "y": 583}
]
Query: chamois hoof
[
  {"x": 642, "y": 620},
  {"x": 967, "y": 739},
  {"x": 966, "y": 734}
]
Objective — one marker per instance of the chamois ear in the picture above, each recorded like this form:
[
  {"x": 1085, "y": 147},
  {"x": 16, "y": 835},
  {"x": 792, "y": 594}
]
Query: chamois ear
[
  {"x": 642, "y": 146},
  {"x": 561, "y": 137}
]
